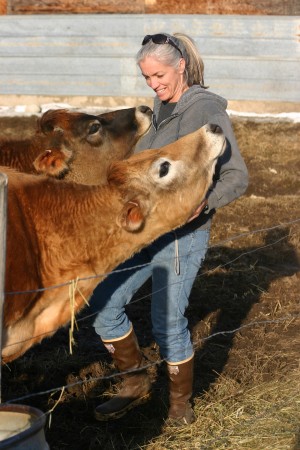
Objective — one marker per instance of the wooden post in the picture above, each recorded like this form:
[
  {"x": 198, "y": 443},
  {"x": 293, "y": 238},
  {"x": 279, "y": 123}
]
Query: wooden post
[{"x": 3, "y": 221}]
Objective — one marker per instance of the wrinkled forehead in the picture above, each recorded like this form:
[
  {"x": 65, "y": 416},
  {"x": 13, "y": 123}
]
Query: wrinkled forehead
[
  {"x": 118, "y": 113},
  {"x": 151, "y": 65}
]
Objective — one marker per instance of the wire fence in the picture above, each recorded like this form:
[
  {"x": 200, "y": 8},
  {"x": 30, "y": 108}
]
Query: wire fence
[
  {"x": 288, "y": 318},
  {"x": 202, "y": 274},
  {"x": 224, "y": 241}
]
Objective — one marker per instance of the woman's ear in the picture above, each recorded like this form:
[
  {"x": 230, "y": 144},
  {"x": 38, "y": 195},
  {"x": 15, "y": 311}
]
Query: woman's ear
[{"x": 181, "y": 65}]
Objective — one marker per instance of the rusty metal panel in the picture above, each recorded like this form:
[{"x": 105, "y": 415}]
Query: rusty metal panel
[
  {"x": 232, "y": 7},
  {"x": 241, "y": 7},
  {"x": 73, "y": 7},
  {"x": 3, "y": 7}
]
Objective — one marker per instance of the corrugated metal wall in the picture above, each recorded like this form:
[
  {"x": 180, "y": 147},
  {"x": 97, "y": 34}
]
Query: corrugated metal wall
[{"x": 246, "y": 57}]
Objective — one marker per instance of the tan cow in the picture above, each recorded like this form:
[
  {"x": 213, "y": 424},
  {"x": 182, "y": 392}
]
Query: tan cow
[
  {"x": 59, "y": 231},
  {"x": 76, "y": 146}
]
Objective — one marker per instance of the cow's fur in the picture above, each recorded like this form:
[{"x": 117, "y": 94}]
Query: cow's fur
[
  {"x": 58, "y": 231},
  {"x": 76, "y": 146}
]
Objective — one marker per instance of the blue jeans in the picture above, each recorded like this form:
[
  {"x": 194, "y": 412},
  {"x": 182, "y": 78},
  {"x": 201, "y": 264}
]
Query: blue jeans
[{"x": 171, "y": 288}]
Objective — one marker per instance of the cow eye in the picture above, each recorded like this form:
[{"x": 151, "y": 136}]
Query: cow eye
[
  {"x": 164, "y": 169},
  {"x": 94, "y": 128}
]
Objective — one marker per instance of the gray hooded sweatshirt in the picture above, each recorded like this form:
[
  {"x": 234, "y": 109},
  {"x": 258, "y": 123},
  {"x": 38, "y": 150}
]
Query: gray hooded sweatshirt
[{"x": 195, "y": 108}]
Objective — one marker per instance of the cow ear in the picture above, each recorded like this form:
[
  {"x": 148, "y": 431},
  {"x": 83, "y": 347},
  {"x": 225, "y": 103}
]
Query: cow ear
[
  {"x": 132, "y": 217},
  {"x": 52, "y": 162}
]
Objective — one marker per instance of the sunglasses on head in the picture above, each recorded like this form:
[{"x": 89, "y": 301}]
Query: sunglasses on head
[{"x": 160, "y": 39}]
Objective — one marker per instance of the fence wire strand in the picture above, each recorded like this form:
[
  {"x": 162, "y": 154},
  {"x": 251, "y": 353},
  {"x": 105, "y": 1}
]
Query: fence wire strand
[
  {"x": 218, "y": 244},
  {"x": 155, "y": 363},
  {"x": 202, "y": 274},
  {"x": 195, "y": 344}
]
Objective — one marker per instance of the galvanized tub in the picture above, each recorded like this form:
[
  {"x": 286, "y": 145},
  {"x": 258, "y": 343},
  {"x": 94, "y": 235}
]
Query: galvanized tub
[{"x": 22, "y": 428}]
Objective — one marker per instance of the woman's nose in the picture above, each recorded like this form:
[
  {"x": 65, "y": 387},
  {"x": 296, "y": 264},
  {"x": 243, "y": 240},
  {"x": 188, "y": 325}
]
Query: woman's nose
[{"x": 153, "y": 84}]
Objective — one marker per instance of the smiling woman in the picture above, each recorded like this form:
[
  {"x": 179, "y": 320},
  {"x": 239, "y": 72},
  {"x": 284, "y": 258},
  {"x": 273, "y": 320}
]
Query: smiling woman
[{"x": 174, "y": 70}]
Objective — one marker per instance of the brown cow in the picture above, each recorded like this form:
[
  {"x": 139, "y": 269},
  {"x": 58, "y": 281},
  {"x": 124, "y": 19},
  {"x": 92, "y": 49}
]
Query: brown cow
[
  {"x": 59, "y": 231},
  {"x": 76, "y": 146}
]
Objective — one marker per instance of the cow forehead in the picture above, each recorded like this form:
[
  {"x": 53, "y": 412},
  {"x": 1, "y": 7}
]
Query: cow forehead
[
  {"x": 63, "y": 118},
  {"x": 118, "y": 113}
]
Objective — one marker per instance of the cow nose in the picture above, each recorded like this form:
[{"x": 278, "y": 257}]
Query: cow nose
[{"x": 213, "y": 128}]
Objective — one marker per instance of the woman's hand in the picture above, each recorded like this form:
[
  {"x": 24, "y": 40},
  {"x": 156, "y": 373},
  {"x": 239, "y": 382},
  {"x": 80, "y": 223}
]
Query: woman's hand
[{"x": 198, "y": 210}]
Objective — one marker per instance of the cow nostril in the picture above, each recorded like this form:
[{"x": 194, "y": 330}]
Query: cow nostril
[{"x": 215, "y": 128}]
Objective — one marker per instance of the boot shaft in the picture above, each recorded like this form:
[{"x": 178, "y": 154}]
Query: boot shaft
[
  {"x": 125, "y": 352},
  {"x": 181, "y": 379},
  {"x": 136, "y": 385}
]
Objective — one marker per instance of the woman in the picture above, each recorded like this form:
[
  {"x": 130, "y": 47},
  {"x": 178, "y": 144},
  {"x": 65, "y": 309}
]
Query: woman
[{"x": 173, "y": 68}]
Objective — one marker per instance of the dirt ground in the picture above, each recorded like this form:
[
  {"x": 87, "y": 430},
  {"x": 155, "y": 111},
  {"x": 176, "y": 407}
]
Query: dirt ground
[{"x": 243, "y": 314}]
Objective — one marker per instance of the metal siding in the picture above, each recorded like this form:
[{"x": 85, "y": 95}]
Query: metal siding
[{"x": 246, "y": 57}]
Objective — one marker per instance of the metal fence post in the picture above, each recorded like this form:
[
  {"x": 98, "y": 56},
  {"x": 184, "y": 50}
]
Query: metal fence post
[{"x": 3, "y": 221}]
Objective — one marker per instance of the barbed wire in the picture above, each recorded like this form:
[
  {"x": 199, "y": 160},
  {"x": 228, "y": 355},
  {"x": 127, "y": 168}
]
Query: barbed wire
[
  {"x": 202, "y": 274},
  {"x": 290, "y": 318},
  {"x": 232, "y": 238},
  {"x": 223, "y": 333},
  {"x": 196, "y": 344}
]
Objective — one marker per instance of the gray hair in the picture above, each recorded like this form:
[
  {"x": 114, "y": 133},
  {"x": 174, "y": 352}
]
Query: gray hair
[{"x": 170, "y": 56}]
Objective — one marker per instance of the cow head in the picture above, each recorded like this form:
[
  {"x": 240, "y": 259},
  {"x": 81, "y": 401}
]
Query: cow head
[
  {"x": 94, "y": 141},
  {"x": 146, "y": 180}
]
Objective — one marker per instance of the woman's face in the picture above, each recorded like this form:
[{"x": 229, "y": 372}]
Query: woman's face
[{"x": 166, "y": 81}]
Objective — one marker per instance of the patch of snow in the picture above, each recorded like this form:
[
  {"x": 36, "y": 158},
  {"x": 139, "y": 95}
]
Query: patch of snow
[
  {"x": 27, "y": 110},
  {"x": 257, "y": 197},
  {"x": 48, "y": 106},
  {"x": 290, "y": 116}
]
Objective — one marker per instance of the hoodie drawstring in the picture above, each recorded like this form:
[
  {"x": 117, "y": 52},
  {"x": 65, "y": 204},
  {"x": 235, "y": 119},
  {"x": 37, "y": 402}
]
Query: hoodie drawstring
[{"x": 176, "y": 257}]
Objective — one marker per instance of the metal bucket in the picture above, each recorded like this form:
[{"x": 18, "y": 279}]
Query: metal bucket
[{"x": 22, "y": 428}]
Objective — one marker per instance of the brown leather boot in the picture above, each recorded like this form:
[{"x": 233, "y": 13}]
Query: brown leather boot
[
  {"x": 136, "y": 386},
  {"x": 180, "y": 391}
]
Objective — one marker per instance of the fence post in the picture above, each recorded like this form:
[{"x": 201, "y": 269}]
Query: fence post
[{"x": 3, "y": 221}]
